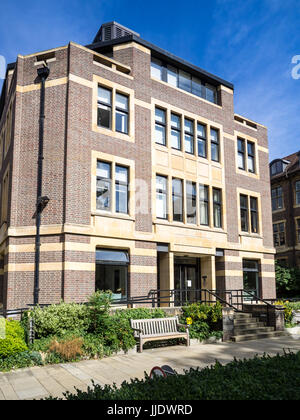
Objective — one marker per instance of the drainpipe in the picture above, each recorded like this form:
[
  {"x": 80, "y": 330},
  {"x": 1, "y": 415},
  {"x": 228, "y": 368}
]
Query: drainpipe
[{"x": 43, "y": 74}]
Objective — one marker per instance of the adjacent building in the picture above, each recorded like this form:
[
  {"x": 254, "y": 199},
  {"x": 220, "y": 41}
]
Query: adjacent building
[
  {"x": 285, "y": 186},
  {"x": 152, "y": 181}
]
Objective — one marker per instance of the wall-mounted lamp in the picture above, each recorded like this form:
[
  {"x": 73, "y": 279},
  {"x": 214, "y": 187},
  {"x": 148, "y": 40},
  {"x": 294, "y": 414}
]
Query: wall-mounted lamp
[{"x": 204, "y": 278}]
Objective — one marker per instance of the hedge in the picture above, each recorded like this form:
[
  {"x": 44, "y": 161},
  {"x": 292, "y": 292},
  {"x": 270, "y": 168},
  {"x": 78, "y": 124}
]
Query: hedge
[{"x": 260, "y": 378}]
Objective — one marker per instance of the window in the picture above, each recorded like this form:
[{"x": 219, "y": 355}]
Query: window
[
  {"x": 191, "y": 202},
  {"x": 177, "y": 199},
  {"x": 161, "y": 197},
  {"x": 175, "y": 131},
  {"x": 189, "y": 136},
  {"x": 112, "y": 272},
  {"x": 215, "y": 147},
  {"x": 297, "y": 191},
  {"x": 183, "y": 80},
  {"x": 122, "y": 113},
  {"x": 279, "y": 234},
  {"x": 298, "y": 230},
  {"x": 278, "y": 166},
  {"x": 160, "y": 126},
  {"x": 204, "y": 205},
  {"x": 156, "y": 69},
  {"x": 210, "y": 93},
  {"x": 201, "y": 140},
  {"x": 104, "y": 107},
  {"x": 121, "y": 188},
  {"x": 113, "y": 110},
  {"x": 104, "y": 186},
  {"x": 217, "y": 207},
  {"x": 241, "y": 154},
  {"x": 254, "y": 215},
  {"x": 251, "y": 157},
  {"x": 249, "y": 214},
  {"x": 197, "y": 87},
  {"x": 244, "y": 213},
  {"x": 250, "y": 277},
  {"x": 277, "y": 198},
  {"x": 172, "y": 75},
  {"x": 246, "y": 155}
]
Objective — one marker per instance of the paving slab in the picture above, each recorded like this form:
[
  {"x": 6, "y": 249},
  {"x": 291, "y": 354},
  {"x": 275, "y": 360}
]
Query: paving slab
[{"x": 40, "y": 382}]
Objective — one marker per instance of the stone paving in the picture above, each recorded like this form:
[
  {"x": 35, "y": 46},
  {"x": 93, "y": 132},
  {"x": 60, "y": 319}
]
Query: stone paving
[{"x": 39, "y": 382}]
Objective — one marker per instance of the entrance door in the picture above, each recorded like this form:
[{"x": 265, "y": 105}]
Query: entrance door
[{"x": 185, "y": 279}]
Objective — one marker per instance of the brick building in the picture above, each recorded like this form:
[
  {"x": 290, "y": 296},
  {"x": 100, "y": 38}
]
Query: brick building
[
  {"x": 285, "y": 188},
  {"x": 153, "y": 181}
]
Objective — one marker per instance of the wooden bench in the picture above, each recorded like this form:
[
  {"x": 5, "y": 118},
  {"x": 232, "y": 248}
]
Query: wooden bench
[{"x": 158, "y": 329}]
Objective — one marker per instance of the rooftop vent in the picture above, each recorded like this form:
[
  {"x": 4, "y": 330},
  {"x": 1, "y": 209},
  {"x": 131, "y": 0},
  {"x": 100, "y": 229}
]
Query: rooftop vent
[{"x": 112, "y": 30}]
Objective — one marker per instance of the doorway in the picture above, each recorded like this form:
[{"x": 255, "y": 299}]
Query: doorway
[{"x": 186, "y": 280}]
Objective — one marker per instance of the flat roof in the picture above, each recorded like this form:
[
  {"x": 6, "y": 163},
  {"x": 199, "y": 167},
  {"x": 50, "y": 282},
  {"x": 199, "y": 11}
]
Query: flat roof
[{"x": 164, "y": 55}]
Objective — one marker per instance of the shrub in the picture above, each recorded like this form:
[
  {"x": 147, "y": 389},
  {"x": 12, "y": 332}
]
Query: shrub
[
  {"x": 116, "y": 333},
  {"x": 93, "y": 345},
  {"x": 21, "y": 360},
  {"x": 140, "y": 313},
  {"x": 287, "y": 280},
  {"x": 206, "y": 319},
  {"x": 60, "y": 319},
  {"x": 14, "y": 339},
  {"x": 260, "y": 378},
  {"x": 69, "y": 349}
]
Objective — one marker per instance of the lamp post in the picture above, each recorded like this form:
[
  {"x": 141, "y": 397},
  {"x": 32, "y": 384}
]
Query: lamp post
[{"x": 41, "y": 202}]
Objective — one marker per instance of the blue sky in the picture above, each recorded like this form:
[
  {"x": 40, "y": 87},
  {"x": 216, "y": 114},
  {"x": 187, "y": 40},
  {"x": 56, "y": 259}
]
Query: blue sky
[{"x": 249, "y": 43}]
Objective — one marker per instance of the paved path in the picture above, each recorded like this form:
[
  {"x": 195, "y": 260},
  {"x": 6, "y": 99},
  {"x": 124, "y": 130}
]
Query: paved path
[{"x": 39, "y": 382}]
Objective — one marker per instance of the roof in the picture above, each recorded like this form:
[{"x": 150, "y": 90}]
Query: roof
[
  {"x": 293, "y": 165},
  {"x": 163, "y": 54}
]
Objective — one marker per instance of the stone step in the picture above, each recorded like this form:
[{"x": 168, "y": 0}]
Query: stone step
[
  {"x": 243, "y": 315},
  {"x": 254, "y": 330},
  {"x": 257, "y": 336},
  {"x": 250, "y": 323}
]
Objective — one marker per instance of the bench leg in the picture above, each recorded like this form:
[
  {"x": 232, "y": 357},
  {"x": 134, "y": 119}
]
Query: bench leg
[
  {"x": 141, "y": 345},
  {"x": 188, "y": 339}
]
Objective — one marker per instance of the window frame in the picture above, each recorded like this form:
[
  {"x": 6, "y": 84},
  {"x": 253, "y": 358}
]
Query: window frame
[
  {"x": 181, "y": 197},
  {"x": 161, "y": 124},
  {"x": 204, "y": 203},
  {"x": 178, "y": 130},
  {"x": 189, "y": 134},
  {"x": 163, "y": 193},
  {"x": 110, "y": 106},
  {"x": 215, "y": 143},
  {"x": 122, "y": 111},
  {"x": 203, "y": 139},
  {"x": 244, "y": 210},
  {"x": 297, "y": 192},
  {"x": 279, "y": 234},
  {"x": 191, "y": 198},
  {"x": 122, "y": 183},
  {"x": 109, "y": 181},
  {"x": 217, "y": 205},
  {"x": 275, "y": 198}
]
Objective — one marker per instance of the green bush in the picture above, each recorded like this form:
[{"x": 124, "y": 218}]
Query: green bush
[
  {"x": 60, "y": 319},
  {"x": 206, "y": 319},
  {"x": 265, "y": 378},
  {"x": 21, "y": 360},
  {"x": 287, "y": 281},
  {"x": 140, "y": 313},
  {"x": 14, "y": 339},
  {"x": 116, "y": 333}
]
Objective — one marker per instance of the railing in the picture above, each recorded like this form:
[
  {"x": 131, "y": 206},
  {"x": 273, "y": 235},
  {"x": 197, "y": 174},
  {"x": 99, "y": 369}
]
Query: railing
[{"x": 236, "y": 299}]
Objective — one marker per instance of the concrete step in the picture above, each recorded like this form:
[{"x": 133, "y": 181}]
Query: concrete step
[
  {"x": 239, "y": 315},
  {"x": 250, "y": 323},
  {"x": 254, "y": 330},
  {"x": 247, "y": 337}
]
